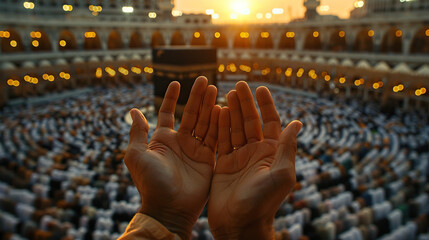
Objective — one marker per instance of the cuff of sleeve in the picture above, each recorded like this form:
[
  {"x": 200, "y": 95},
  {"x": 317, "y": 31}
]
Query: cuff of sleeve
[{"x": 144, "y": 227}]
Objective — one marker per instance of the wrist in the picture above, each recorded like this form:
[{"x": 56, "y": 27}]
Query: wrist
[
  {"x": 261, "y": 229},
  {"x": 174, "y": 222}
]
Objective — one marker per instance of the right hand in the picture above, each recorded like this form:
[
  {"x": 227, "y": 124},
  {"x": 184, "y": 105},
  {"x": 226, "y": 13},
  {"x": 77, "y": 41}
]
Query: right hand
[{"x": 255, "y": 169}]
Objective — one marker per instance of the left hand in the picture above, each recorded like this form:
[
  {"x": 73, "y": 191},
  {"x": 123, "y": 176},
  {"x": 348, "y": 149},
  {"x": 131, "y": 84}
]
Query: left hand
[{"x": 173, "y": 171}]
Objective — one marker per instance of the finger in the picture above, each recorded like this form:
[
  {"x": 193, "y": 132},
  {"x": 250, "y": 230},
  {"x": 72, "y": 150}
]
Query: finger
[
  {"x": 285, "y": 157},
  {"x": 139, "y": 128},
  {"x": 206, "y": 110},
  {"x": 224, "y": 132},
  {"x": 270, "y": 117},
  {"x": 211, "y": 137},
  {"x": 168, "y": 106},
  {"x": 238, "y": 138},
  {"x": 190, "y": 114},
  {"x": 252, "y": 122}
]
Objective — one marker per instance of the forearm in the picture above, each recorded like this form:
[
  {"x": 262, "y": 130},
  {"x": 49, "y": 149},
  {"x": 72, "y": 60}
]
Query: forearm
[{"x": 261, "y": 230}]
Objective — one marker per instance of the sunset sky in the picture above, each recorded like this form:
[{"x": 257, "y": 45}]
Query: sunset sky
[{"x": 247, "y": 10}]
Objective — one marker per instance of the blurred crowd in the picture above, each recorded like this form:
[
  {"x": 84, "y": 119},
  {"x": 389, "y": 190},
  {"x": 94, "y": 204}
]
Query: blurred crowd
[{"x": 361, "y": 174}]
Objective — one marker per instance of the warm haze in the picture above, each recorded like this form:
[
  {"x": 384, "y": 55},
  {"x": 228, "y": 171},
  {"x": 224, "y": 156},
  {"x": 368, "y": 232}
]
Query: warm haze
[{"x": 261, "y": 11}]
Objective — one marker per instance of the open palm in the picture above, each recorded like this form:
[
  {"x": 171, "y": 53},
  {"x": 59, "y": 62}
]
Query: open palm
[
  {"x": 255, "y": 169},
  {"x": 173, "y": 171}
]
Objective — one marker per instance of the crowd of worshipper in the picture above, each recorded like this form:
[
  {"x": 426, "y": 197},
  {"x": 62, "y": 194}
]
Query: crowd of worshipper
[{"x": 361, "y": 174}]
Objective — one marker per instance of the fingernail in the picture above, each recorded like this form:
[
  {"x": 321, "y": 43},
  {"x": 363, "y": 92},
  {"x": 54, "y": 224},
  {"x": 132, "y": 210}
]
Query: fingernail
[
  {"x": 133, "y": 115},
  {"x": 298, "y": 127}
]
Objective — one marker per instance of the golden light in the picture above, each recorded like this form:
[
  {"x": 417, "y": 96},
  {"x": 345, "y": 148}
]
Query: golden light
[
  {"x": 244, "y": 35},
  {"x": 124, "y": 71},
  {"x": 67, "y": 8},
  {"x": 375, "y": 85},
  {"x": 290, "y": 34},
  {"x": 4, "y": 34},
  {"x": 221, "y": 68},
  {"x": 245, "y": 68},
  {"x": 342, "y": 34},
  {"x": 110, "y": 71},
  {"x": 136, "y": 70},
  {"x": 152, "y": 15},
  {"x": 148, "y": 70},
  {"x": 371, "y": 33},
  {"x": 342, "y": 80},
  {"x": 300, "y": 72},
  {"x": 400, "y": 87},
  {"x": 28, "y": 5},
  {"x": 99, "y": 73},
  {"x": 197, "y": 34},
  {"x": 36, "y": 34},
  {"x": 231, "y": 67},
  {"x": 35, "y": 43},
  {"x": 288, "y": 72},
  {"x": 423, "y": 90},
  {"x": 361, "y": 81},
  {"x": 217, "y": 35},
  {"x": 13, "y": 43},
  {"x": 359, "y": 4},
  {"x": 27, "y": 78},
  {"x": 51, "y": 78},
  {"x": 395, "y": 89},
  {"x": 259, "y": 15},
  {"x": 265, "y": 34},
  {"x": 45, "y": 76},
  {"x": 327, "y": 78},
  {"x": 62, "y": 74},
  {"x": 63, "y": 43},
  {"x": 90, "y": 34},
  {"x": 16, "y": 83},
  {"x": 10, "y": 82},
  {"x": 66, "y": 76},
  {"x": 418, "y": 92},
  {"x": 427, "y": 33},
  {"x": 268, "y": 15},
  {"x": 176, "y": 13},
  {"x": 215, "y": 16},
  {"x": 357, "y": 83},
  {"x": 398, "y": 33},
  {"x": 34, "y": 80},
  {"x": 265, "y": 71},
  {"x": 315, "y": 34}
]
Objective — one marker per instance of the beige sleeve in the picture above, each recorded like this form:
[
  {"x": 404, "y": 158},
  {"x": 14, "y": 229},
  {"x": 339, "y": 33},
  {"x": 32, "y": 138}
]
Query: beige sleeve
[{"x": 143, "y": 227}]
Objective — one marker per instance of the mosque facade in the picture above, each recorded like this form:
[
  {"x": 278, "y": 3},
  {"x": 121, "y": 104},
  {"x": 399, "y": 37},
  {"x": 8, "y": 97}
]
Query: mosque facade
[{"x": 380, "y": 53}]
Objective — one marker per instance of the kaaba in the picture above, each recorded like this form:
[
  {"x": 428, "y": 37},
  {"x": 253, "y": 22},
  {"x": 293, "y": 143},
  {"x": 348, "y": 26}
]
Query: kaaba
[{"x": 182, "y": 64}]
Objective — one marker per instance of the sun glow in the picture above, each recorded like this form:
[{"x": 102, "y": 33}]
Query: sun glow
[{"x": 241, "y": 7}]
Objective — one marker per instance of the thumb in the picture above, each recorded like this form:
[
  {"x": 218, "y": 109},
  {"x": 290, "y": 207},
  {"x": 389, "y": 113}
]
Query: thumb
[
  {"x": 139, "y": 128},
  {"x": 287, "y": 145}
]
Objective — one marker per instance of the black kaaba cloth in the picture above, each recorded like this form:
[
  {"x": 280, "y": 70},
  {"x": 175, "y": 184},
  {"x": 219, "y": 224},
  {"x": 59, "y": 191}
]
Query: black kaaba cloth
[{"x": 182, "y": 64}]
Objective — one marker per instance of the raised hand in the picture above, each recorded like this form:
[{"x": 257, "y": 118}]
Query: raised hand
[
  {"x": 173, "y": 171},
  {"x": 255, "y": 169}
]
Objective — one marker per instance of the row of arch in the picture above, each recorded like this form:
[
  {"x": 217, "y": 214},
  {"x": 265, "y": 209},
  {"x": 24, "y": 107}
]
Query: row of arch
[{"x": 392, "y": 41}]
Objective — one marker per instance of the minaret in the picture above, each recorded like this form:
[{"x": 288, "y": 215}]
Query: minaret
[{"x": 311, "y": 6}]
